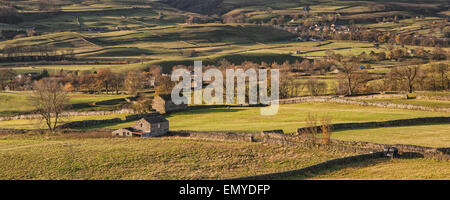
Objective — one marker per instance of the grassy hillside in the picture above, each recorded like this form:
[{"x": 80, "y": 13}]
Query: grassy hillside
[
  {"x": 423, "y": 135},
  {"x": 74, "y": 157},
  {"x": 164, "y": 45},
  {"x": 405, "y": 169},
  {"x": 289, "y": 118}
]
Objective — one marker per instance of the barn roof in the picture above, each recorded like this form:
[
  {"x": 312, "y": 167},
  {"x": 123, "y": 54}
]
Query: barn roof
[
  {"x": 155, "y": 119},
  {"x": 165, "y": 97}
]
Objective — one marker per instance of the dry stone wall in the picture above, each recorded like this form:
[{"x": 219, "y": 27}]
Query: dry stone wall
[
  {"x": 329, "y": 99},
  {"x": 220, "y": 136},
  {"x": 90, "y": 123},
  {"x": 391, "y": 123},
  {"x": 440, "y": 98},
  {"x": 336, "y": 145},
  {"x": 87, "y": 113}
]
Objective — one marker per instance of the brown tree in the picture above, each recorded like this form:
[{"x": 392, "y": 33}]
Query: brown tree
[
  {"x": 136, "y": 80},
  {"x": 49, "y": 100},
  {"x": 104, "y": 79},
  {"x": 7, "y": 78},
  {"x": 407, "y": 75},
  {"x": 443, "y": 71},
  {"x": 164, "y": 85},
  {"x": 348, "y": 73}
]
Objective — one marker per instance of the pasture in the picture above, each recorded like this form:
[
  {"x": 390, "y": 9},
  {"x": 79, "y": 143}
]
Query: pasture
[
  {"x": 432, "y": 135},
  {"x": 14, "y": 103},
  {"x": 385, "y": 169},
  {"x": 74, "y": 157},
  {"x": 289, "y": 118}
]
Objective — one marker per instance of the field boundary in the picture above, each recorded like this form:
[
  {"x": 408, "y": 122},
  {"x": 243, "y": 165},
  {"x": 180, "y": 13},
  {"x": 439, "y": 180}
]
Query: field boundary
[
  {"x": 87, "y": 123},
  {"x": 333, "y": 99},
  {"x": 334, "y": 144},
  {"x": 86, "y": 113},
  {"x": 390, "y": 123}
]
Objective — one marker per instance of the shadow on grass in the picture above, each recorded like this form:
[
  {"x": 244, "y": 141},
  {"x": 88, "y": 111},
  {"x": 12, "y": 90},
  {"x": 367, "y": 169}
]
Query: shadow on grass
[
  {"x": 102, "y": 126},
  {"x": 112, "y": 104},
  {"x": 394, "y": 125},
  {"x": 366, "y": 163},
  {"x": 205, "y": 110}
]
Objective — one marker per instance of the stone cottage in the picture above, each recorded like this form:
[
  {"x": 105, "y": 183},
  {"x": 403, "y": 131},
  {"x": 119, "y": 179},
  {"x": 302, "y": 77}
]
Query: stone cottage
[
  {"x": 145, "y": 127},
  {"x": 163, "y": 104}
]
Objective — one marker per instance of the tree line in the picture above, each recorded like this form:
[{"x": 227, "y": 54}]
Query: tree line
[
  {"x": 352, "y": 76},
  {"x": 35, "y": 53}
]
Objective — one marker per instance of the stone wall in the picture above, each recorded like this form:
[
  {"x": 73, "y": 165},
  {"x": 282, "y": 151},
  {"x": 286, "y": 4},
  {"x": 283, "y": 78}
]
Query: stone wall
[
  {"x": 440, "y": 98},
  {"x": 346, "y": 100},
  {"x": 335, "y": 145},
  {"x": 391, "y": 123},
  {"x": 380, "y": 96},
  {"x": 89, "y": 123},
  {"x": 13, "y": 131},
  {"x": 358, "y": 146},
  {"x": 86, "y": 113},
  {"x": 219, "y": 136}
]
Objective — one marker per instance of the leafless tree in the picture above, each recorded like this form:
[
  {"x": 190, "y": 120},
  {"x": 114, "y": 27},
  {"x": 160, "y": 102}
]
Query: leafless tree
[
  {"x": 443, "y": 71},
  {"x": 349, "y": 71},
  {"x": 134, "y": 81},
  {"x": 408, "y": 74},
  {"x": 326, "y": 128},
  {"x": 49, "y": 100}
]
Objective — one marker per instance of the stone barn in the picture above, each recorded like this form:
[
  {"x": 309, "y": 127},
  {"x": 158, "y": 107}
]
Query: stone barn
[
  {"x": 145, "y": 127},
  {"x": 163, "y": 104}
]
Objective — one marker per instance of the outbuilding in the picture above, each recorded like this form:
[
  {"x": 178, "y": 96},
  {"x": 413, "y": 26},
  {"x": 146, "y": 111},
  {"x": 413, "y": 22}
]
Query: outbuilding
[{"x": 145, "y": 127}]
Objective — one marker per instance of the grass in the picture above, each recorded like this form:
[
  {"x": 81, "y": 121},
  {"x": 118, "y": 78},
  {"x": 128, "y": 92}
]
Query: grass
[
  {"x": 289, "y": 118},
  {"x": 382, "y": 169},
  {"x": 30, "y": 124},
  {"x": 433, "y": 135},
  {"x": 66, "y": 157},
  {"x": 14, "y": 103}
]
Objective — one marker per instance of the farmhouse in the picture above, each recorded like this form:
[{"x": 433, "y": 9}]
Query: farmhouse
[
  {"x": 163, "y": 104},
  {"x": 145, "y": 127}
]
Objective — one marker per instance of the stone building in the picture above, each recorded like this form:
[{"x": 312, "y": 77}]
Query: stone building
[
  {"x": 145, "y": 127},
  {"x": 163, "y": 104}
]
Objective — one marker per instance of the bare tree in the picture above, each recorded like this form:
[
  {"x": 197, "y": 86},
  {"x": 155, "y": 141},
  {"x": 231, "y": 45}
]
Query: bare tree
[
  {"x": 349, "y": 70},
  {"x": 408, "y": 74},
  {"x": 49, "y": 100},
  {"x": 326, "y": 128},
  {"x": 311, "y": 129},
  {"x": 443, "y": 70},
  {"x": 134, "y": 81}
]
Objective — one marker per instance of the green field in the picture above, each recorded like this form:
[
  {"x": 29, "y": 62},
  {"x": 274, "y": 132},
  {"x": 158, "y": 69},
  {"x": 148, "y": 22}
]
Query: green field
[
  {"x": 39, "y": 124},
  {"x": 422, "y": 135},
  {"x": 74, "y": 157},
  {"x": 14, "y": 103},
  {"x": 289, "y": 118},
  {"x": 382, "y": 169},
  {"x": 133, "y": 35}
]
